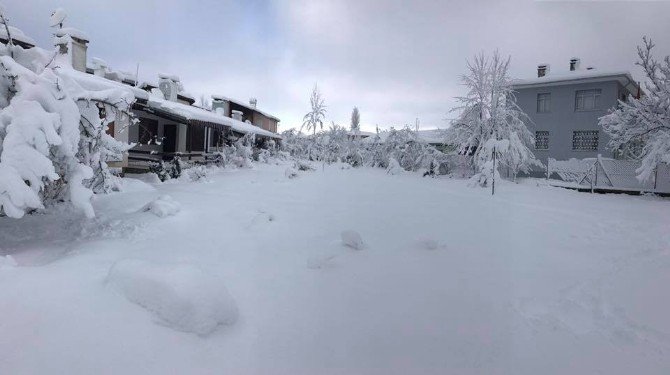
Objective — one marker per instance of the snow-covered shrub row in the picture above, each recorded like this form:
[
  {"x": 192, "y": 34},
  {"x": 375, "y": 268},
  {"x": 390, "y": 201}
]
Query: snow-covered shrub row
[
  {"x": 382, "y": 150},
  {"x": 53, "y": 145}
]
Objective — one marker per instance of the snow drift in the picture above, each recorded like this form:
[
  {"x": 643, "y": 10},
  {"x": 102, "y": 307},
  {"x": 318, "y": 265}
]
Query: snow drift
[
  {"x": 162, "y": 206},
  {"x": 352, "y": 239},
  {"x": 180, "y": 296}
]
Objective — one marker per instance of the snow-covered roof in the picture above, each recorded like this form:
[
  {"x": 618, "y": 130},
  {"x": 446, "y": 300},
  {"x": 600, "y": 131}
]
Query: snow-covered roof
[
  {"x": 245, "y": 105},
  {"x": 578, "y": 76},
  {"x": 17, "y": 35},
  {"x": 196, "y": 113},
  {"x": 96, "y": 83},
  {"x": 74, "y": 33}
]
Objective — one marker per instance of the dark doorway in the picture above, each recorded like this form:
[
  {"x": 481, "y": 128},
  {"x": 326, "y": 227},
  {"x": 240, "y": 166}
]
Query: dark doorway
[{"x": 170, "y": 138}]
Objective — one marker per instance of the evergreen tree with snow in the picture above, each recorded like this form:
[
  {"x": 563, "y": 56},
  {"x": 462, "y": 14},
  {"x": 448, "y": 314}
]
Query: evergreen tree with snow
[
  {"x": 315, "y": 117},
  {"x": 491, "y": 121},
  {"x": 644, "y": 123}
]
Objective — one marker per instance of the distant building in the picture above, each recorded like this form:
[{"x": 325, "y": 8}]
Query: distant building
[
  {"x": 564, "y": 109},
  {"x": 244, "y": 112}
]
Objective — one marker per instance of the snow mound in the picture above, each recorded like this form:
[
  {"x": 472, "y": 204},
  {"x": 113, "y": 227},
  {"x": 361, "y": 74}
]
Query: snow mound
[
  {"x": 180, "y": 296},
  {"x": 428, "y": 243},
  {"x": 262, "y": 218},
  {"x": 162, "y": 206},
  {"x": 352, "y": 239},
  {"x": 291, "y": 172}
]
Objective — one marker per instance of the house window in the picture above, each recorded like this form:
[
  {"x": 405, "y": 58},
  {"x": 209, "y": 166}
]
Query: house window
[
  {"x": 543, "y": 102},
  {"x": 587, "y": 100},
  {"x": 585, "y": 140},
  {"x": 148, "y": 131},
  {"x": 542, "y": 140}
]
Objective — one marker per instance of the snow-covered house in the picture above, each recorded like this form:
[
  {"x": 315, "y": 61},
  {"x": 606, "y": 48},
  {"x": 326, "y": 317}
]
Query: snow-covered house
[
  {"x": 168, "y": 123},
  {"x": 564, "y": 109}
]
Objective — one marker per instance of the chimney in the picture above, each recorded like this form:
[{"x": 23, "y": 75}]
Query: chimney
[
  {"x": 169, "y": 85},
  {"x": 237, "y": 115},
  {"x": 252, "y": 102},
  {"x": 542, "y": 70},
  {"x": 75, "y": 47},
  {"x": 574, "y": 64},
  {"x": 220, "y": 105}
]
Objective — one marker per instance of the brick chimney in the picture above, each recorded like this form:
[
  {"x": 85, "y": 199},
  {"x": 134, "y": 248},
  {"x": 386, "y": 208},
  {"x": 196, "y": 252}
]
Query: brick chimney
[{"x": 542, "y": 70}]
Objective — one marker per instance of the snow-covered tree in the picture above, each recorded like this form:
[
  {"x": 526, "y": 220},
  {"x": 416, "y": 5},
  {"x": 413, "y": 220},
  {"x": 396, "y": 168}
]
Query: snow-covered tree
[
  {"x": 644, "y": 123},
  {"x": 491, "y": 121},
  {"x": 43, "y": 156},
  {"x": 355, "y": 120},
  {"x": 317, "y": 114}
]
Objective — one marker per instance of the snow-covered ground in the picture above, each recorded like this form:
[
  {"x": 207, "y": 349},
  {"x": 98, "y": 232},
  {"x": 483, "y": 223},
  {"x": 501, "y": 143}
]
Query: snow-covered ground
[{"x": 248, "y": 273}]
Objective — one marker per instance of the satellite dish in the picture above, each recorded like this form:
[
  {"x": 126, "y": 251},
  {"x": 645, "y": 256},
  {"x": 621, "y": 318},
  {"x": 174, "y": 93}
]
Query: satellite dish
[{"x": 57, "y": 17}]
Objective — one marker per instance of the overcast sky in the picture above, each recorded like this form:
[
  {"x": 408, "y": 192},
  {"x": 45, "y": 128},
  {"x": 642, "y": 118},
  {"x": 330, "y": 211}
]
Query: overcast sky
[{"x": 395, "y": 60}]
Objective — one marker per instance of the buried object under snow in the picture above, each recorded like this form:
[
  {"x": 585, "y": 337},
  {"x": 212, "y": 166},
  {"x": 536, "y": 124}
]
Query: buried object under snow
[
  {"x": 352, "y": 239},
  {"x": 180, "y": 296}
]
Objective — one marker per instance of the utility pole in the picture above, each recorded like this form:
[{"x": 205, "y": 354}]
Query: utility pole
[{"x": 417, "y": 124}]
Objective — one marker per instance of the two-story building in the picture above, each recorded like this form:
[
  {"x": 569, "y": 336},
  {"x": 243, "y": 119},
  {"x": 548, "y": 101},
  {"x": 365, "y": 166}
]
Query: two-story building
[{"x": 564, "y": 109}]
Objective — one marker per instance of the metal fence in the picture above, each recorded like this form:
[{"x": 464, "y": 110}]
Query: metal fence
[{"x": 607, "y": 174}]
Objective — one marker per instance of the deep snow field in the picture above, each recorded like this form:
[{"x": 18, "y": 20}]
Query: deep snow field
[{"x": 248, "y": 273}]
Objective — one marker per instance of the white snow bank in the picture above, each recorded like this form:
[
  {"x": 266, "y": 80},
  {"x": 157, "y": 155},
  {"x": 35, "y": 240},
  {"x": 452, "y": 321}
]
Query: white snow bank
[
  {"x": 352, "y": 239},
  {"x": 180, "y": 296},
  {"x": 149, "y": 178},
  {"x": 162, "y": 206},
  {"x": 130, "y": 185}
]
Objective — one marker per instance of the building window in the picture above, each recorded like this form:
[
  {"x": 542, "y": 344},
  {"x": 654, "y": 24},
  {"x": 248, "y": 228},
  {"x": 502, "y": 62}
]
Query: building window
[
  {"x": 542, "y": 140},
  {"x": 587, "y": 100},
  {"x": 148, "y": 131},
  {"x": 543, "y": 102},
  {"x": 585, "y": 140}
]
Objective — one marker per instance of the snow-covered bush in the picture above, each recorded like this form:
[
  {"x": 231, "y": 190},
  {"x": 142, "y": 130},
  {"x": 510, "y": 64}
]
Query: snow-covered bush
[
  {"x": 181, "y": 296},
  {"x": 243, "y": 151},
  {"x": 394, "y": 167},
  {"x": 53, "y": 145},
  {"x": 197, "y": 173},
  {"x": 166, "y": 171}
]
